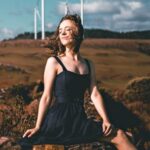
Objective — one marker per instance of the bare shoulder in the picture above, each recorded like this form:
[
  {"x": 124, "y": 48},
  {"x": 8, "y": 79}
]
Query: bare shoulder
[
  {"x": 52, "y": 63},
  {"x": 52, "y": 60}
]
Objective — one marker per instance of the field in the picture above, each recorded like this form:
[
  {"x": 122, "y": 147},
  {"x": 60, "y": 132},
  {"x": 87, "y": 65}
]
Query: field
[{"x": 116, "y": 61}]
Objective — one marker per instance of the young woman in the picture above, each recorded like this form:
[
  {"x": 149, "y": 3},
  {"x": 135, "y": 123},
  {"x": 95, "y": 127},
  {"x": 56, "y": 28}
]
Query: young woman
[{"x": 67, "y": 75}]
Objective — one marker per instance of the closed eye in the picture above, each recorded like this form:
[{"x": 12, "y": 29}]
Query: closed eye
[
  {"x": 68, "y": 29},
  {"x": 60, "y": 30}
]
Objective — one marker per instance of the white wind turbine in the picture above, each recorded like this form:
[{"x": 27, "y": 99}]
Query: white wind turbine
[
  {"x": 36, "y": 13},
  {"x": 35, "y": 23},
  {"x": 66, "y": 8},
  {"x": 81, "y": 11},
  {"x": 42, "y": 19}
]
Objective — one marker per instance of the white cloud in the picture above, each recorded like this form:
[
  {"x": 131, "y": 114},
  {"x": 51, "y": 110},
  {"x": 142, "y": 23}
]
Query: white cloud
[
  {"x": 91, "y": 7},
  {"x": 101, "y": 7},
  {"x": 61, "y": 7},
  {"x": 130, "y": 11},
  {"x": 6, "y": 33},
  {"x": 134, "y": 5},
  {"x": 115, "y": 15},
  {"x": 125, "y": 14},
  {"x": 49, "y": 25}
]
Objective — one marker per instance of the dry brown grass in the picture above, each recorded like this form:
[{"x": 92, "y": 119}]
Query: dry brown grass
[{"x": 116, "y": 61}]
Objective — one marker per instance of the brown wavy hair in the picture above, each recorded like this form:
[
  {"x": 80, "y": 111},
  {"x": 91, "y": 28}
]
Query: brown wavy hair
[{"x": 54, "y": 42}]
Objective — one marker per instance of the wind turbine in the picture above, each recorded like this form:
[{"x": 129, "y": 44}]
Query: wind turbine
[
  {"x": 81, "y": 11},
  {"x": 42, "y": 20},
  {"x": 36, "y": 13},
  {"x": 35, "y": 24},
  {"x": 66, "y": 8}
]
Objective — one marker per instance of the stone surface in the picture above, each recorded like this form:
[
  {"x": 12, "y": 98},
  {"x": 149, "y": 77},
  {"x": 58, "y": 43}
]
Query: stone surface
[{"x": 8, "y": 143}]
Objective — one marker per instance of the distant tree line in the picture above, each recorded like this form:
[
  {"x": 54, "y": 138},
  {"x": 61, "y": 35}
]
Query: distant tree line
[
  {"x": 30, "y": 35},
  {"x": 96, "y": 33}
]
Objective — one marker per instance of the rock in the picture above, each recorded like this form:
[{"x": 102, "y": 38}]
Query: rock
[
  {"x": 48, "y": 147},
  {"x": 87, "y": 146},
  {"x": 8, "y": 143},
  {"x": 4, "y": 107},
  {"x": 3, "y": 140}
]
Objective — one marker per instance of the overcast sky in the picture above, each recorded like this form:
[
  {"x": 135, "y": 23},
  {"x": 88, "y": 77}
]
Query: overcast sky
[{"x": 16, "y": 16}]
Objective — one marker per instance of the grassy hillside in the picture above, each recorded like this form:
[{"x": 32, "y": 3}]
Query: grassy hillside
[{"x": 116, "y": 61}]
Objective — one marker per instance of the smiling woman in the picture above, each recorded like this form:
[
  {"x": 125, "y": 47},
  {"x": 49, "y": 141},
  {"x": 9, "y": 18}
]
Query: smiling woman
[
  {"x": 68, "y": 75},
  {"x": 71, "y": 27}
]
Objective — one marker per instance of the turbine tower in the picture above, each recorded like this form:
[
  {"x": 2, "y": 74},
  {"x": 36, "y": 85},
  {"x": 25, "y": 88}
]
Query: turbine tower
[
  {"x": 66, "y": 8},
  {"x": 42, "y": 20},
  {"x": 41, "y": 17},
  {"x": 35, "y": 23},
  {"x": 36, "y": 14},
  {"x": 81, "y": 13}
]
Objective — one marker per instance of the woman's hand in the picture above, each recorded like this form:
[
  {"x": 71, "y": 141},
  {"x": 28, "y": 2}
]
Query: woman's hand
[
  {"x": 107, "y": 127},
  {"x": 30, "y": 132}
]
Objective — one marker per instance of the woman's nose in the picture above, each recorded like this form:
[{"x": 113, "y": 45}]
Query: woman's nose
[{"x": 63, "y": 32}]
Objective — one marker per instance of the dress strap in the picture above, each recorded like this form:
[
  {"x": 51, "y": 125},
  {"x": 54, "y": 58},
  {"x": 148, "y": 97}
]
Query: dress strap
[
  {"x": 88, "y": 64},
  {"x": 64, "y": 69},
  {"x": 60, "y": 62}
]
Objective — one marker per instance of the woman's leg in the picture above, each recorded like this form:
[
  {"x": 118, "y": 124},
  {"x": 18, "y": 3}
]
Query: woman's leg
[{"x": 122, "y": 142}]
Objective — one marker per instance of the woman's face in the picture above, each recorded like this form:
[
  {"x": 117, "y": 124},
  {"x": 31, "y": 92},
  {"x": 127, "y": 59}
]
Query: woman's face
[{"x": 66, "y": 31}]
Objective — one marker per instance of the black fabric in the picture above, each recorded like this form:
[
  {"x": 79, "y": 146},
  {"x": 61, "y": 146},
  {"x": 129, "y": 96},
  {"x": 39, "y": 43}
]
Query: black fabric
[
  {"x": 88, "y": 64},
  {"x": 65, "y": 121},
  {"x": 60, "y": 62}
]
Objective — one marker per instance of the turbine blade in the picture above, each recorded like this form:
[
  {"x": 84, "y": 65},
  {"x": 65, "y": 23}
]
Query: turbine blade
[{"x": 38, "y": 14}]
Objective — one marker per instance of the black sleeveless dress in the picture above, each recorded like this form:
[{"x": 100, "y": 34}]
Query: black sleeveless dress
[{"x": 66, "y": 122}]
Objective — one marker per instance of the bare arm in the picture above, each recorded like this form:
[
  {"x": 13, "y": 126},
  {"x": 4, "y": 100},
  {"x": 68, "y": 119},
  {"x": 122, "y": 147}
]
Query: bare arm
[
  {"x": 49, "y": 76},
  {"x": 98, "y": 100}
]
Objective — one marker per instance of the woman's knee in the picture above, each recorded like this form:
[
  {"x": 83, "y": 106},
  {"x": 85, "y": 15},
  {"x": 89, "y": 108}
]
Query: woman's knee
[
  {"x": 120, "y": 137},
  {"x": 121, "y": 133}
]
